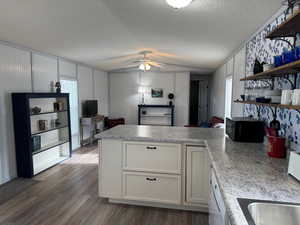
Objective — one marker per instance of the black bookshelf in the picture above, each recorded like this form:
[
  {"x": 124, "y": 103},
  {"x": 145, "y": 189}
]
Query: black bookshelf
[
  {"x": 24, "y": 133},
  {"x": 169, "y": 115}
]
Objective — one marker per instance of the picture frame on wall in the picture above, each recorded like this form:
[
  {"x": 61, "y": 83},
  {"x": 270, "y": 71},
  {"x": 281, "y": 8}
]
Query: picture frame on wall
[{"x": 157, "y": 93}]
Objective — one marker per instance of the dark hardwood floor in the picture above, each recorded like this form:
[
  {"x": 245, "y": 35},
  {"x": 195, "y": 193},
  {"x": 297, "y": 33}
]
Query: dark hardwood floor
[{"x": 67, "y": 194}]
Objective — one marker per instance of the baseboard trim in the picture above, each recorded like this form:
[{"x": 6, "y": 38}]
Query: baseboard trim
[{"x": 203, "y": 208}]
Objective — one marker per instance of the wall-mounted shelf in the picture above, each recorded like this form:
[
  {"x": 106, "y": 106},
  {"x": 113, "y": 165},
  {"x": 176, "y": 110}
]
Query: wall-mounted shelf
[
  {"x": 289, "y": 28},
  {"x": 280, "y": 71},
  {"x": 294, "y": 107}
]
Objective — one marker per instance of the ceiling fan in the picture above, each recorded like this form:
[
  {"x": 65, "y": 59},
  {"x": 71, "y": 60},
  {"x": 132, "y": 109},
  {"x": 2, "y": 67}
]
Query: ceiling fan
[
  {"x": 145, "y": 63},
  {"x": 147, "y": 60}
]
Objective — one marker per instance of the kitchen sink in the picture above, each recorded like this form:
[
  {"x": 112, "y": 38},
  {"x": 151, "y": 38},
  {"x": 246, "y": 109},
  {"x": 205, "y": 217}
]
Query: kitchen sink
[{"x": 258, "y": 212}]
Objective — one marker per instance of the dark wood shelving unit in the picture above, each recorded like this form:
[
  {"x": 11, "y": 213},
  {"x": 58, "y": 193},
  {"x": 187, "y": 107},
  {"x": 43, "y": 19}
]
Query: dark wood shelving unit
[
  {"x": 289, "y": 28},
  {"x": 291, "y": 68},
  {"x": 53, "y": 149}
]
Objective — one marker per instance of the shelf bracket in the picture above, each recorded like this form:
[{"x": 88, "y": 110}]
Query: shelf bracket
[
  {"x": 292, "y": 45},
  {"x": 293, "y": 82},
  {"x": 258, "y": 108},
  {"x": 274, "y": 112}
]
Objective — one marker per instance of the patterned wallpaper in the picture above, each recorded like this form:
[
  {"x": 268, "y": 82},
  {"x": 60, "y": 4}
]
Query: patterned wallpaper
[{"x": 264, "y": 50}]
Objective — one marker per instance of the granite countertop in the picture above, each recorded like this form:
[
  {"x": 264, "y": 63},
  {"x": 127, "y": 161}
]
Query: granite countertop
[{"x": 243, "y": 170}]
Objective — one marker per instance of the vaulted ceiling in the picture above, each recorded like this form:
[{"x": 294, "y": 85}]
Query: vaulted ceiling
[{"x": 200, "y": 36}]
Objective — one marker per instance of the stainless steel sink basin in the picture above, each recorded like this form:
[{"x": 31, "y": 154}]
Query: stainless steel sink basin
[{"x": 259, "y": 212}]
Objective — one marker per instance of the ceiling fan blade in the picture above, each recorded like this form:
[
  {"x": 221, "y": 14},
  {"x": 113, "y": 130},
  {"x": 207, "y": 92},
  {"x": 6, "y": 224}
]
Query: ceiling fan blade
[
  {"x": 178, "y": 65},
  {"x": 125, "y": 68},
  {"x": 122, "y": 57},
  {"x": 155, "y": 64}
]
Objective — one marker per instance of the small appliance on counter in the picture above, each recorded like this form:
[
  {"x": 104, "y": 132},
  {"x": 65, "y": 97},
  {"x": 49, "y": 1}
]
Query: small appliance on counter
[
  {"x": 245, "y": 129},
  {"x": 294, "y": 165}
]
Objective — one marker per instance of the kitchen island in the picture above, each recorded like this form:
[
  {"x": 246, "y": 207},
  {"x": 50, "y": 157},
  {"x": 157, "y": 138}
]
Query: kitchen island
[{"x": 241, "y": 170}]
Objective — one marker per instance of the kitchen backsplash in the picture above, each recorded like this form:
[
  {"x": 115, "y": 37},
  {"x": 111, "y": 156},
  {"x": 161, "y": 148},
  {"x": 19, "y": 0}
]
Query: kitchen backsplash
[{"x": 264, "y": 50}]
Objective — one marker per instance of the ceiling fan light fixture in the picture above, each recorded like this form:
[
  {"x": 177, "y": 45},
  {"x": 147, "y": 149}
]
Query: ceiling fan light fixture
[
  {"x": 178, "y": 4},
  {"x": 145, "y": 66},
  {"x": 142, "y": 67}
]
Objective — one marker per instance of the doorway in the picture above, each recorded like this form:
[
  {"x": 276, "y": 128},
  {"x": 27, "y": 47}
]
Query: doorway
[
  {"x": 70, "y": 86},
  {"x": 198, "y": 102},
  {"x": 228, "y": 96}
]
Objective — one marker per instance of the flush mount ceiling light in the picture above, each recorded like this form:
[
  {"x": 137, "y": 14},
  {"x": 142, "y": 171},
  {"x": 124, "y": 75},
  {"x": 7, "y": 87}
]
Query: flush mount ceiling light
[{"x": 178, "y": 4}]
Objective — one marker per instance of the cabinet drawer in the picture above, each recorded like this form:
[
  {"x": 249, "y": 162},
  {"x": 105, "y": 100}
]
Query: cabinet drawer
[
  {"x": 152, "y": 187},
  {"x": 152, "y": 157}
]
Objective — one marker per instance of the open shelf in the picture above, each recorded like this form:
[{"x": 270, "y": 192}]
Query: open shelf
[
  {"x": 157, "y": 115},
  {"x": 41, "y": 167},
  {"x": 48, "y": 130},
  {"x": 294, "y": 107},
  {"x": 289, "y": 28},
  {"x": 280, "y": 71},
  {"x": 43, "y": 113},
  {"x": 47, "y": 147}
]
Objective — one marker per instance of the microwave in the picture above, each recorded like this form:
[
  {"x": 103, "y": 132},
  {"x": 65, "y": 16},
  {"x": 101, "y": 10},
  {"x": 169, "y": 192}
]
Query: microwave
[{"x": 245, "y": 129}]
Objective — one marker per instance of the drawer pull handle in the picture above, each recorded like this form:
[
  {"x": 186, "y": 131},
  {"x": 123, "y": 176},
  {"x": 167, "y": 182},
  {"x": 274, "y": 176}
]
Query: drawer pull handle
[
  {"x": 151, "y": 148},
  {"x": 151, "y": 179}
]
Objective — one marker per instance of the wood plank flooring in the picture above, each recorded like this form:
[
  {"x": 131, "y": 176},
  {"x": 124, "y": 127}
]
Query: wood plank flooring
[{"x": 67, "y": 194}]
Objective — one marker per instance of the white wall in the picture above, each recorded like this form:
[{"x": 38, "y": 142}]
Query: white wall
[
  {"x": 237, "y": 109},
  {"x": 217, "y": 94},
  {"x": 18, "y": 74},
  {"x": 15, "y": 75},
  {"x": 124, "y": 96},
  {"x": 44, "y": 72},
  {"x": 101, "y": 91},
  {"x": 85, "y": 85},
  {"x": 234, "y": 67}
]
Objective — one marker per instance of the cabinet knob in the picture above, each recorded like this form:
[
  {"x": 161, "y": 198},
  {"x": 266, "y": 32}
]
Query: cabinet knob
[
  {"x": 151, "y": 179},
  {"x": 151, "y": 147}
]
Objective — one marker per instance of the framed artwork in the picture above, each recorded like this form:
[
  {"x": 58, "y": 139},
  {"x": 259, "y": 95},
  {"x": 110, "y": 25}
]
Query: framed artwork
[{"x": 157, "y": 93}]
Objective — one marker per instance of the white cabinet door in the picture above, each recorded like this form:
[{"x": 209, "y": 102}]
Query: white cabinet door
[
  {"x": 152, "y": 187},
  {"x": 197, "y": 175},
  {"x": 110, "y": 168},
  {"x": 152, "y": 157}
]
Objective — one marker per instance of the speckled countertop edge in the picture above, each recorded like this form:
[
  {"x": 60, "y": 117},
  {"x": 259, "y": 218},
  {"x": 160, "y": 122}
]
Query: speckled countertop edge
[{"x": 243, "y": 170}]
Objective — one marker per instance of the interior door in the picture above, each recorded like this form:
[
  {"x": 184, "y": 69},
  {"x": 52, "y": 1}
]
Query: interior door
[
  {"x": 203, "y": 101},
  {"x": 70, "y": 86},
  {"x": 194, "y": 101}
]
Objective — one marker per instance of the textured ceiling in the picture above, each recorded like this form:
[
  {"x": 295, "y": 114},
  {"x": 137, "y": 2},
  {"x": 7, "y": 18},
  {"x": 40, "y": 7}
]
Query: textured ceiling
[{"x": 200, "y": 36}]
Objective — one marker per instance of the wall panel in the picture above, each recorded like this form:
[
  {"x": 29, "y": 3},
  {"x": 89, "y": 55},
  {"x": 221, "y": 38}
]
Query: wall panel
[
  {"x": 44, "y": 71},
  {"x": 15, "y": 76},
  {"x": 101, "y": 91}
]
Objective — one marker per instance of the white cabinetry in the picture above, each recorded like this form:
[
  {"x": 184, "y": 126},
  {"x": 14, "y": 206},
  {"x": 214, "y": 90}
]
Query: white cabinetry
[
  {"x": 197, "y": 175},
  {"x": 217, "y": 210},
  {"x": 110, "y": 168},
  {"x": 152, "y": 157},
  {"x": 162, "y": 188},
  {"x": 157, "y": 174}
]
